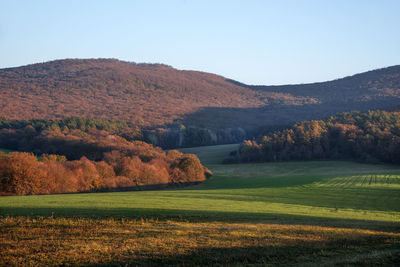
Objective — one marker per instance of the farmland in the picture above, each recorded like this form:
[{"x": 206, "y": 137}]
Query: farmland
[{"x": 320, "y": 212}]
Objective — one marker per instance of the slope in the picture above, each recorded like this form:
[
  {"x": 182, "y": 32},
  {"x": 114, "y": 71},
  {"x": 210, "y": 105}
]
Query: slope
[{"x": 157, "y": 95}]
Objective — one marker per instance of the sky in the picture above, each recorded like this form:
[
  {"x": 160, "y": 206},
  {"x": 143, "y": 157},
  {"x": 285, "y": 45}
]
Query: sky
[{"x": 254, "y": 42}]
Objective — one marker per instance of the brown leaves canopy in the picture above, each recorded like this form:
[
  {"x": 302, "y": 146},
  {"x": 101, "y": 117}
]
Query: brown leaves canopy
[
  {"x": 372, "y": 136},
  {"x": 159, "y": 95},
  {"x": 23, "y": 174}
]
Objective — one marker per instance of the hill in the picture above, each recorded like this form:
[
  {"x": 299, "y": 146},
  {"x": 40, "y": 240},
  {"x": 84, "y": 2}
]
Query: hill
[
  {"x": 149, "y": 94},
  {"x": 380, "y": 84},
  {"x": 157, "y": 95}
]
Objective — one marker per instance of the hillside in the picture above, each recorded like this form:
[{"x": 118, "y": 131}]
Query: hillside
[
  {"x": 157, "y": 95},
  {"x": 152, "y": 94},
  {"x": 382, "y": 84}
]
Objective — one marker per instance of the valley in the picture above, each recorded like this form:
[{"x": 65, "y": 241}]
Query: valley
[{"x": 320, "y": 212}]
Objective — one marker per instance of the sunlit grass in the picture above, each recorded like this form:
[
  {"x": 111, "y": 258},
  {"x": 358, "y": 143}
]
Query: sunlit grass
[{"x": 61, "y": 241}]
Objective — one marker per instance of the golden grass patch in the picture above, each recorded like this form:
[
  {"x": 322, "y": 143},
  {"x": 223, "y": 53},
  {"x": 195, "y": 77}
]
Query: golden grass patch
[{"x": 83, "y": 241}]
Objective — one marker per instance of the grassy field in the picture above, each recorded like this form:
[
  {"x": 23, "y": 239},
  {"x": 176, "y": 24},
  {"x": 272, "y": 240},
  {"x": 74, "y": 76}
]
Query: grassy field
[{"x": 273, "y": 213}]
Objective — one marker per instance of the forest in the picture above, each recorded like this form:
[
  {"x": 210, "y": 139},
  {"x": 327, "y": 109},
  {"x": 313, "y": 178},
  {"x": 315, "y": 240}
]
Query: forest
[
  {"x": 85, "y": 157},
  {"x": 372, "y": 136},
  {"x": 23, "y": 134}
]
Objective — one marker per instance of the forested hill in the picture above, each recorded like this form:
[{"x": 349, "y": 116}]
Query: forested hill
[
  {"x": 151, "y": 94},
  {"x": 157, "y": 95},
  {"x": 372, "y": 85}
]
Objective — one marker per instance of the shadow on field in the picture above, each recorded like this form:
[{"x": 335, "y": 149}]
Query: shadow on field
[
  {"x": 204, "y": 216},
  {"x": 312, "y": 254}
]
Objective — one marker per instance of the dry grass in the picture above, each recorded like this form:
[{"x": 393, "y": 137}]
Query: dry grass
[{"x": 83, "y": 241}]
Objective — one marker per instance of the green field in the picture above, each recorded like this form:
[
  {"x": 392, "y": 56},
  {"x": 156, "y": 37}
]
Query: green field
[
  {"x": 342, "y": 195},
  {"x": 243, "y": 192}
]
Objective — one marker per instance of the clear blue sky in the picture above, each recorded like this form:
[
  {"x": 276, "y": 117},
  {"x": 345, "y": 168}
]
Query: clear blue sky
[{"x": 256, "y": 42}]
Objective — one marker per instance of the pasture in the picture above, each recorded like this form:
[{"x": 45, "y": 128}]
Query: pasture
[{"x": 311, "y": 213}]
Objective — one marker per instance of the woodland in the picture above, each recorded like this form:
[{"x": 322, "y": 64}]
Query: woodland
[
  {"x": 372, "y": 136},
  {"x": 83, "y": 159}
]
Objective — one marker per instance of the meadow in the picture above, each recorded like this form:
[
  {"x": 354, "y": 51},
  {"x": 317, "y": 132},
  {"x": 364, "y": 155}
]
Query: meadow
[{"x": 300, "y": 213}]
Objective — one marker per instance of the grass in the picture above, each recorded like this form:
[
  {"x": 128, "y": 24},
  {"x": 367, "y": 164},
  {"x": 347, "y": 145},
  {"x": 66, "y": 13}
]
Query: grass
[
  {"x": 211, "y": 155},
  {"x": 60, "y": 241},
  {"x": 310, "y": 190},
  {"x": 299, "y": 213}
]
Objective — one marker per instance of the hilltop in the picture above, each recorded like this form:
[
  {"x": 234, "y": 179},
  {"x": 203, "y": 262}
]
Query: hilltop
[
  {"x": 157, "y": 95},
  {"x": 381, "y": 84}
]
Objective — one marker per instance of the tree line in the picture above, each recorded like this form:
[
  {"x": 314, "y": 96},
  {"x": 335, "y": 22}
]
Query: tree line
[
  {"x": 372, "y": 136},
  {"x": 19, "y": 134}
]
